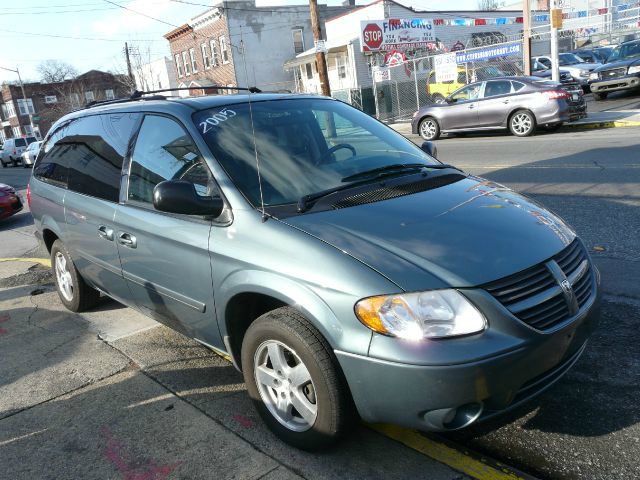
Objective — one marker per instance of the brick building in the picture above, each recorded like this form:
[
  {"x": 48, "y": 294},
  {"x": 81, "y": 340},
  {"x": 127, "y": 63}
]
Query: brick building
[
  {"x": 240, "y": 44},
  {"x": 47, "y": 102}
]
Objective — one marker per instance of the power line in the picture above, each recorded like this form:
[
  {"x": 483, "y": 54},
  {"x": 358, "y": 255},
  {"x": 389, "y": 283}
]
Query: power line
[{"x": 140, "y": 13}]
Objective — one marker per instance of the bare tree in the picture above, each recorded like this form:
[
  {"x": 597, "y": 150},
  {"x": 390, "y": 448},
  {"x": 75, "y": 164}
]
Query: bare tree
[
  {"x": 53, "y": 71},
  {"x": 487, "y": 5}
]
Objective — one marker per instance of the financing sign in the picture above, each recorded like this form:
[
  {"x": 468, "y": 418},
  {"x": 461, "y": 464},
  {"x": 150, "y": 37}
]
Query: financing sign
[{"x": 396, "y": 34}]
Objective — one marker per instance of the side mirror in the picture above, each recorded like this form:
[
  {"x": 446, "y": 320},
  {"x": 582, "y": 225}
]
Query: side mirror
[
  {"x": 430, "y": 149},
  {"x": 179, "y": 196}
]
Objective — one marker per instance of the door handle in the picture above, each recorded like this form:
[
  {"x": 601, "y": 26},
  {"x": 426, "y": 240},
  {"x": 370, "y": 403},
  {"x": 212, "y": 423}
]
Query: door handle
[
  {"x": 105, "y": 232},
  {"x": 471, "y": 107},
  {"x": 505, "y": 101},
  {"x": 127, "y": 240}
]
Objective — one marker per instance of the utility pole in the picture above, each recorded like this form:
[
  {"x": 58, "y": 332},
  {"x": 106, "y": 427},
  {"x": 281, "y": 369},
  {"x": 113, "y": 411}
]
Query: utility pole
[
  {"x": 556, "y": 22},
  {"x": 126, "y": 53},
  {"x": 526, "y": 36},
  {"x": 321, "y": 61},
  {"x": 24, "y": 97}
]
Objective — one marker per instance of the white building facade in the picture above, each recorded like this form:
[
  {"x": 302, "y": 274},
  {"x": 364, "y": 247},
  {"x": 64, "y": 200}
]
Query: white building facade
[{"x": 156, "y": 75}]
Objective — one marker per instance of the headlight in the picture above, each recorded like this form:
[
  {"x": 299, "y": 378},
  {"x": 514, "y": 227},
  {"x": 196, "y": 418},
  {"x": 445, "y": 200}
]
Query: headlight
[
  {"x": 633, "y": 69},
  {"x": 593, "y": 76},
  {"x": 415, "y": 316},
  {"x": 584, "y": 73}
]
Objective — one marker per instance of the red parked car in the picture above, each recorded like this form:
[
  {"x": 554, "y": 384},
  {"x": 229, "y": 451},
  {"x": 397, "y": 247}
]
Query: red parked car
[{"x": 10, "y": 201}]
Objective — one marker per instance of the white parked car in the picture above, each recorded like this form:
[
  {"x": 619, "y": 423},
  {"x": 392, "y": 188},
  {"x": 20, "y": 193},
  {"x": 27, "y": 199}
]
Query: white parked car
[
  {"x": 30, "y": 154},
  {"x": 13, "y": 148},
  {"x": 570, "y": 62}
]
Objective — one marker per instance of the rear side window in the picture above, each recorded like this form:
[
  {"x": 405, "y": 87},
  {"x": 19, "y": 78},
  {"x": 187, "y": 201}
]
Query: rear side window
[
  {"x": 20, "y": 142},
  {"x": 517, "y": 86},
  {"x": 95, "y": 147},
  {"x": 30, "y": 140},
  {"x": 164, "y": 151},
  {"x": 52, "y": 165}
]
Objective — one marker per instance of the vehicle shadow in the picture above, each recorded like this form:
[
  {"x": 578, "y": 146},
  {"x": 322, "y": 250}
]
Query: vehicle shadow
[{"x": 19, "y": 220}]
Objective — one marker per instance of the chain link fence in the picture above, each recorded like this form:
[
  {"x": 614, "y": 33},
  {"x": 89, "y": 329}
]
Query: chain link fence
[{"x": 403, "y": 87}]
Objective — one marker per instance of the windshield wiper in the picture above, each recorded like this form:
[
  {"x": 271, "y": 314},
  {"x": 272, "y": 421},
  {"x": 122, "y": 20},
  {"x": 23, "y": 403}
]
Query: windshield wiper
[
  {"x": 395, "y": 168},
  {"x": 305, "y": 201}
]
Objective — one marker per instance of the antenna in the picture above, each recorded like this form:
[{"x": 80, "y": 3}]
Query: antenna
[{"x": 253, "y": 132}]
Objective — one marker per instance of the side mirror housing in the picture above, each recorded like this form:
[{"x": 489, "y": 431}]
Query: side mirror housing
[
  {"x": 179, "y": 196},
  {"x": 430, "y": 149}
]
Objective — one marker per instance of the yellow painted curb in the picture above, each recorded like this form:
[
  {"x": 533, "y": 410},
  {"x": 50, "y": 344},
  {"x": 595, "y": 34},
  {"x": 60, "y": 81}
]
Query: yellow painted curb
[
  {"x": 449, "y": 456},
  {"x": 604, "y": 124},
  {"x": 42, "y": 261}
]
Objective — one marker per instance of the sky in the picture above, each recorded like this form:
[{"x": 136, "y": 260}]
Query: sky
[{"x": 32, "y": 31}]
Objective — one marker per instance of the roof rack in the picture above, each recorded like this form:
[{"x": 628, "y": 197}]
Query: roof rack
[{"x": 138, "y": 95}]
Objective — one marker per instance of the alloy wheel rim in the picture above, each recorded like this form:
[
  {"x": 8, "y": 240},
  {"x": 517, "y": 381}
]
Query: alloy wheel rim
[
  {"x": 285, "y": 386},
  {"x": 521, "y": 123},
  {"x": 63, "y": 275},
  {"x": 428, "y": 128}
]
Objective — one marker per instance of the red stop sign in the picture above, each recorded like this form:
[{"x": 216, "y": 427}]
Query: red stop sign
[{"x": 372, "y": 36}]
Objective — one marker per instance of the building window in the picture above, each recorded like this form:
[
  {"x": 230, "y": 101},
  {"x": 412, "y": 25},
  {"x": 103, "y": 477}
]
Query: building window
[
  {"x": 108, "y": 93},
  {"x": 224, "y": 53},
  {"x": 75, "y": 100},
  {"x": 194, "y": 64},
  {"x": 2, "y": 135},
  {"x": 11, "y": 110},
  {"x": 341, "y": 66},
  {"x": 178, "y": 65},
  {"x": 309, "y": 71},
  {"x": 185, "y": 61},
  {"x": 25, "y": 106},
  {"x": 28, "y": 130},
  {"x": 298, "y": 40},
  {"x": 89, "y": 96},
  {"x": 205, "y": 56},
  {"x": 50, "y": 99},
  {"x": 214, "y": 53},
  {"x": 159, "y": 82},
  {"x": 16, "y": 132}
]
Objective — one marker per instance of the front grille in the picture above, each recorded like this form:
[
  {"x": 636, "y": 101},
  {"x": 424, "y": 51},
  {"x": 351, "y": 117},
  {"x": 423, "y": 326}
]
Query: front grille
[
  {"x": 535, "y": 295},
  {"x": 613, "y": 73}
]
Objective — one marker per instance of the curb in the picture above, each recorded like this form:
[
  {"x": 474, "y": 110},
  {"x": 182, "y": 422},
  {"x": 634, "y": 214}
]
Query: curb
[
  {"x": 42, "y": 261},
  {"x": 604, "y": 124}
]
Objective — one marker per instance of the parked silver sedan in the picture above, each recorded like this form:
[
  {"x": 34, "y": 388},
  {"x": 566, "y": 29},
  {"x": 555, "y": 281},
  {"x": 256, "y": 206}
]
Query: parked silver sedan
[
  {"x": 517, "y": 103},
  {"x": 30, "y": 154}
]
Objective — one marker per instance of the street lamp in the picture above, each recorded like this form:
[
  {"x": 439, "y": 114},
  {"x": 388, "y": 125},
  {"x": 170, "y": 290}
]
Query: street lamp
[{"x": 24, "y": 97}]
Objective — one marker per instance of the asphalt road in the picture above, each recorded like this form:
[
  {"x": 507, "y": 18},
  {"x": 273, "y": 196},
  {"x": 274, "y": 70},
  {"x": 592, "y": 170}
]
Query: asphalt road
[{"x": 588, "y": 425}]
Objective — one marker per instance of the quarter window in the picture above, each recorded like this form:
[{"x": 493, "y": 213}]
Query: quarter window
[
  {"x": 164, "y": 151},
  {"x": 52, "y": 164}
]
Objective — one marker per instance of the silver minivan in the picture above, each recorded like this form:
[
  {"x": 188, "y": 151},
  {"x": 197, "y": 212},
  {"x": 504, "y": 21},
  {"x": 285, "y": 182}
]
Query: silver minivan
[{"x": 346, "y": 272}]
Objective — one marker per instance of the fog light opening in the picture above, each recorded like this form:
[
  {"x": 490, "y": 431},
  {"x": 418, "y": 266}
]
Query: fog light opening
[{"x": 453, "y": 418}]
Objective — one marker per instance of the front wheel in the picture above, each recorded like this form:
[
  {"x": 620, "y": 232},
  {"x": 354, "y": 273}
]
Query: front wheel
[
  {"x": 73, "y": 291},
  {"x": 294, "y": 381},
  {"x": 522, "y": 123},
  {"x": 429, "y": 128}
]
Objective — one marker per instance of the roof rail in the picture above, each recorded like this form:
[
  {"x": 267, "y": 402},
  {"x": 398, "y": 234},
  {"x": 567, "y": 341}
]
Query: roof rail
[
  {"x": 99, "y": 103},
  {"x": 139, "y": 94}
]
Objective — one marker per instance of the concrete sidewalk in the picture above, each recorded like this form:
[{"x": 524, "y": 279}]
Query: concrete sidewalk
[{"x": 608, "y": 119}]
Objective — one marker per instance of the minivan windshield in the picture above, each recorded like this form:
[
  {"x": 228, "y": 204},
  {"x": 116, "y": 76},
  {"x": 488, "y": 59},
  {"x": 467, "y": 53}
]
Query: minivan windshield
[
  {"x": 304, "y": 146},
  {"x": 565, "y": 59}
]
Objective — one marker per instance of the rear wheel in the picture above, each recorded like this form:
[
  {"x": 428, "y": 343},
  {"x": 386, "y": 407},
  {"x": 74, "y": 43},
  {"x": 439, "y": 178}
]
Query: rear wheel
[
  {"x": 73, "y": 291},
  {"x": 522, "y": 123},
  {"x": 600, "y": 96},
  {"x": 429, "y": 128},
  {"x": 4, "y": 165},
  {"x": 294, "y": 382}
]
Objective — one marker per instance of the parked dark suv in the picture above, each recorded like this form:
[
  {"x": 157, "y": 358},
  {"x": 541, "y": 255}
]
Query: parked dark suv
[
  {"x": 344, "y": 270},
  {"x": 621, "y": 72}
]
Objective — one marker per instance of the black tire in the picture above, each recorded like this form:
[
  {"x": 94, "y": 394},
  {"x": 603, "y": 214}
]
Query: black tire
[
  {"x": 83, "y": 297},
  {"x": 429, "y": 128},
  {"x": 335, "y": 411},
  {"x": 553, "y": 128},
  {"x": 517, "y": 127},
  {"x": 437, "y": 98},
  {"x": 15, "y": 162},
  {"x": 600, "y": 96},
  {"x": 4, "y": 165}
]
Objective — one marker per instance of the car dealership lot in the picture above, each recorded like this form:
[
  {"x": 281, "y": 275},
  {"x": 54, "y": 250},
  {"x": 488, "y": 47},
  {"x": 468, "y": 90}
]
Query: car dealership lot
[{"x": 141, "y": 398}]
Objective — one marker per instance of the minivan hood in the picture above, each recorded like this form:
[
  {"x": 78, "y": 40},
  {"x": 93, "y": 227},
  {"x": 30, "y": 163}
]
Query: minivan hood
[{"x": 463, "y": 234}]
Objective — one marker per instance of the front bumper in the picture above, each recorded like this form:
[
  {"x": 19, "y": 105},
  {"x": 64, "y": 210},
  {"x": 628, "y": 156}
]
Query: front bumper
[
  {"x": 454, "y": 395},
  {"x": 620, "y": 83},
  {"x": 10, "y": 205}
]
